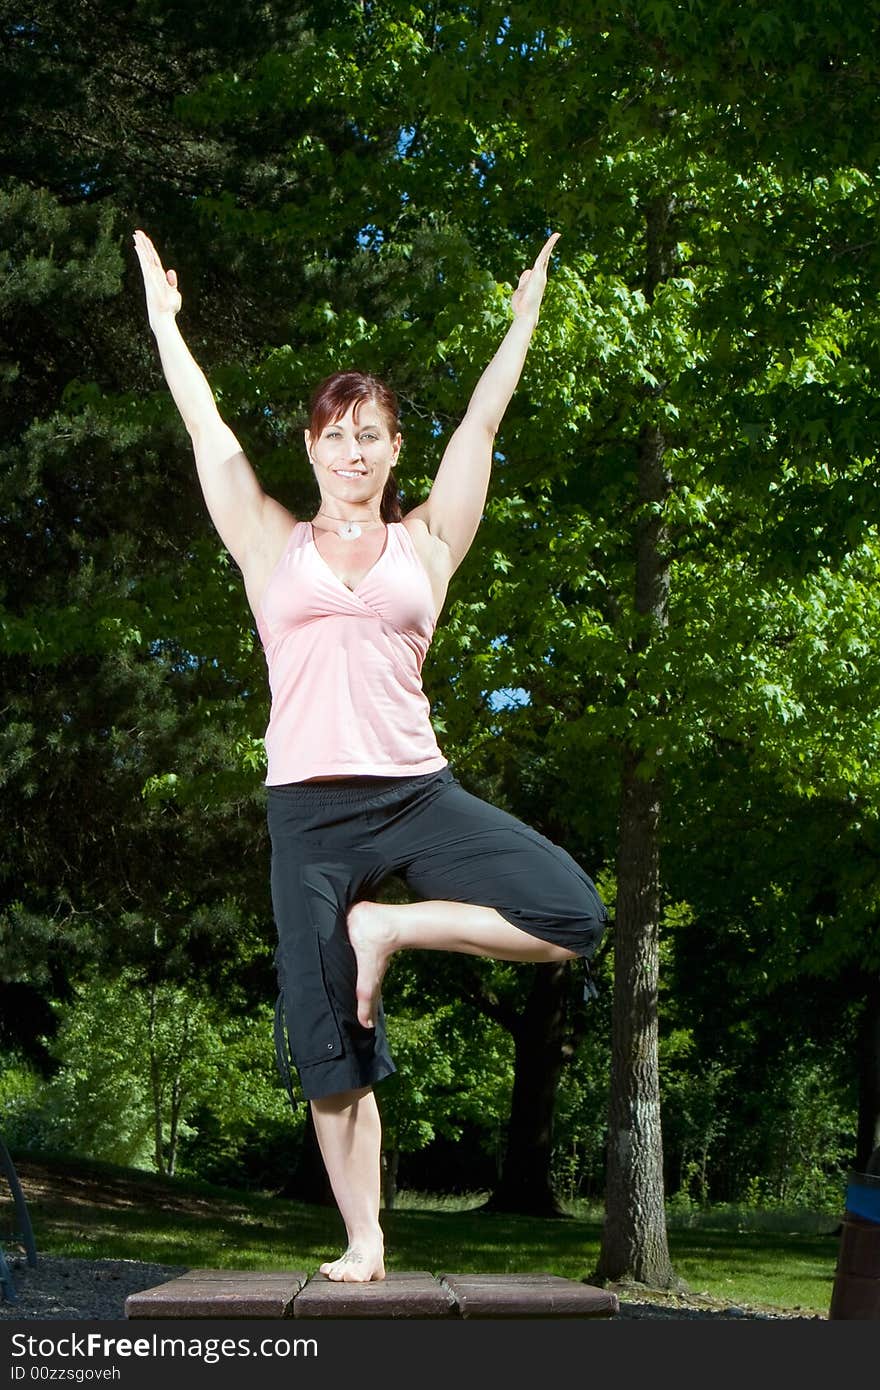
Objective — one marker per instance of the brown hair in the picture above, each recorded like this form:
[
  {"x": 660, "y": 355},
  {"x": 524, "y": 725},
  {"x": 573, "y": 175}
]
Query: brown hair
[{"x": 332, "y": 398}]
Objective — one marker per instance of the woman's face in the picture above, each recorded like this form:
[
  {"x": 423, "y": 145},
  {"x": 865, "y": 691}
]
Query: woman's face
[{"x": 353, "y": 456}]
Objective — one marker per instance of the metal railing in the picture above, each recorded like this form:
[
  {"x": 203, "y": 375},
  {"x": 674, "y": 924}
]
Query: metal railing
[{"x": 25, "y": 1230}]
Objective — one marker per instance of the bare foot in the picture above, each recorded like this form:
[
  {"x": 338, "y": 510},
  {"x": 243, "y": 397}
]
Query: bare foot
[
  {"x": 373, "y": 941},
  {"x": 358, "y": 1265}
]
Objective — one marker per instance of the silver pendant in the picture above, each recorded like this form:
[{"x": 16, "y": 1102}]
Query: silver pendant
[{"x": 349, "y": 531}]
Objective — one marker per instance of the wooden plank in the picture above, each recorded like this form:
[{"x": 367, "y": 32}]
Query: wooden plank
[
  {"x": 225, "y": 1293},
  {"x": 401, "y": 1294},
  {"x": 528, "y": 1296},
  {"x": 219, "y": 1293}
]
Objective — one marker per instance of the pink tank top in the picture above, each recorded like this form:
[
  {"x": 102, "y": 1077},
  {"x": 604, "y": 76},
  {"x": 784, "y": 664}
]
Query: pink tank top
[{"x": 345, "y": 666}]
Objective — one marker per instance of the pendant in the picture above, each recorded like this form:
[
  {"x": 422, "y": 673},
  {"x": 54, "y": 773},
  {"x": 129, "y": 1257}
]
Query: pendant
[{"x": 349, "y": 531}]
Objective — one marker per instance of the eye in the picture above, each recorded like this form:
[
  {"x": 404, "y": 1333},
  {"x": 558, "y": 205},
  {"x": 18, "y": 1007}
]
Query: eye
[{"x": 370, "y": 437}]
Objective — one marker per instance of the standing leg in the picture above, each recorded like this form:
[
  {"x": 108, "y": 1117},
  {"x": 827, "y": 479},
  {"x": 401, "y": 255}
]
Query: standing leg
[
  {"x": 349, "y": 1135},
  {"x": 319, "y": 864}
]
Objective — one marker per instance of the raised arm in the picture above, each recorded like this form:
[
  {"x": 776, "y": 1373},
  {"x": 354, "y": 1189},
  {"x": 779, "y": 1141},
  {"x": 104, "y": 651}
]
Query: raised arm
[
  {"x": 455, "y": 503},
  {"x": 251, "y": 524}
]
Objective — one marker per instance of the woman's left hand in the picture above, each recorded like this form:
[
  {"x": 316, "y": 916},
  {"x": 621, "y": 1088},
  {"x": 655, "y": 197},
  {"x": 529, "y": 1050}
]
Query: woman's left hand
[{"x": 526, "y": 298}]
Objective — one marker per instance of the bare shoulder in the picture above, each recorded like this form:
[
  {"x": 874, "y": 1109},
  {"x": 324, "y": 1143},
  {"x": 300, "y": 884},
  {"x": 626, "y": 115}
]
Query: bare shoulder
[
  {"x": 434, "y": 554},
  {"x": 276, "y": 525},
  {"x": 431, "y": 550}
]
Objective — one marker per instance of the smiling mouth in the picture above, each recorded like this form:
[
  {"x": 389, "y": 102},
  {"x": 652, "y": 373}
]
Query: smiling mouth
[{"x": 350, "y": 473}]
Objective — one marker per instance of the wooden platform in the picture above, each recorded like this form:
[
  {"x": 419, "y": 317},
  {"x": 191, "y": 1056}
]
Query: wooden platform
[
  {"x": 527, "y": 1296},
  {"x": 399, "y": 1295},
  {"x": 219, "y": 1293},
  {"x": 226, "y": 1293}
]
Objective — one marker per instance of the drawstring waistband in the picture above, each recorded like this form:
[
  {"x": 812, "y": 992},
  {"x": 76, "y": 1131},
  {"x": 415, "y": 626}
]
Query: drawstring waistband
[{"x": 355, "y": 790}]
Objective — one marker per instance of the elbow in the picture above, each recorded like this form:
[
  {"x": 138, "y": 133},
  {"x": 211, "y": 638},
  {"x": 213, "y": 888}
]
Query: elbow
[
  {"x": 203, "y": 427},
  {"x": 478, "y": 422}
]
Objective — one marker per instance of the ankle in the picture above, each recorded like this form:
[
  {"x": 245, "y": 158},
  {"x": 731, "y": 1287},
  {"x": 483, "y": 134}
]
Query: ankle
[
  {"x": 374, "y": 923},
  {"x": 368, "y": 1236}
]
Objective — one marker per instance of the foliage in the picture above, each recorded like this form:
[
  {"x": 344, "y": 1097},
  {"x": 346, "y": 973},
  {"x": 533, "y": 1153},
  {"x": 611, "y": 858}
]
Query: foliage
[
  {"x": 360, "y": 184},
  {"x": 581, "y": 1121},
  {"x": 137, "y": 1063},
  {"x": 451, "y": 1070}
]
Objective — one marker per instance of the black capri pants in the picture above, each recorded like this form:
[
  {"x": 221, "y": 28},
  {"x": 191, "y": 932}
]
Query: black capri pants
[{"x": 333, "y": 844}]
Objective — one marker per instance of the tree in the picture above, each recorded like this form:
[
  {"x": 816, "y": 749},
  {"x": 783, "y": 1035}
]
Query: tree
[
  {"x": 659, "y": 121},
  {"x": 448, "y": 1071},
  {"x": 695, "y": 431},
  {"x": 140, "y": 1066}
]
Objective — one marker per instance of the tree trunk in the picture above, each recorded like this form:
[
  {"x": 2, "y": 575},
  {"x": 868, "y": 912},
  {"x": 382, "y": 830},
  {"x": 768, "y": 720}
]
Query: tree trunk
[
  {"x": 868, "y": 1140},
  {"x": 541, "y": 1038},
  {"x": 155, "y": 1088},
  {"x": 177, "y": 1095},
  {"x": 634, "y": 1245},
  {"x": 174, "y": 1122}
]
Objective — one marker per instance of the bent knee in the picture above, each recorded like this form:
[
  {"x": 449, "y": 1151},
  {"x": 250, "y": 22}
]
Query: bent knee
[{"x": 595, "y": 927}]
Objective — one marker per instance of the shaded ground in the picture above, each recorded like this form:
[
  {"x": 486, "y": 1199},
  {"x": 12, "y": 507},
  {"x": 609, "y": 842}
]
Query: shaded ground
[
  {"x": 75, "y": 1184},
  {"x": 59, "y": 1287},
  {"x": 79, "y": 1195}
]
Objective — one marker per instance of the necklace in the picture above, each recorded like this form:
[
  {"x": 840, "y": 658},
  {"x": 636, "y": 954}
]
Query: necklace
[{"x": 349, "y": 530}]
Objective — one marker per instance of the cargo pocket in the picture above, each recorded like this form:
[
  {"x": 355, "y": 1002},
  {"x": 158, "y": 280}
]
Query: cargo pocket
[{"x": 304, "y": 1010}]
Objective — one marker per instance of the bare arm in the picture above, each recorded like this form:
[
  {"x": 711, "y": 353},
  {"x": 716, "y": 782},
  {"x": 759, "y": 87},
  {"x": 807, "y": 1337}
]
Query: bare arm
[
  {"x": 455, "y": 504},
  {"x": 248, "y": 521}
]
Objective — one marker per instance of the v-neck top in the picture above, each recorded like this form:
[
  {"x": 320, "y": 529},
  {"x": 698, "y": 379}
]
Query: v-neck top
[{"x": 345, "y": 665}]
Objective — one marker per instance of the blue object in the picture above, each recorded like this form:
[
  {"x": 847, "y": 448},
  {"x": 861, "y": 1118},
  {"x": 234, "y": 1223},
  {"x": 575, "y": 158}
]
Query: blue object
[{"x": 863, "y": 1196}]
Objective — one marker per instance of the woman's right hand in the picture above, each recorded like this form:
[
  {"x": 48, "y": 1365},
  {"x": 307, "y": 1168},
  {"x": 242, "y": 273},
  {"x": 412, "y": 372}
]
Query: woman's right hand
[{"x": 160, "y": 285}]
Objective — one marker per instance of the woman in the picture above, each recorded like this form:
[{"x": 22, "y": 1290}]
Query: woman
[{"x": 346, "y": 605}]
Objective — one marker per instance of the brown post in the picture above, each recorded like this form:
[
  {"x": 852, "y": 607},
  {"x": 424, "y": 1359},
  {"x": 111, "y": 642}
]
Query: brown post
[{"x": 856, "y": 1292}]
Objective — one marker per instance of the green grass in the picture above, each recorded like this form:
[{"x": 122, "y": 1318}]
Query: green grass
[{"x": 97, "y": 1211}]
